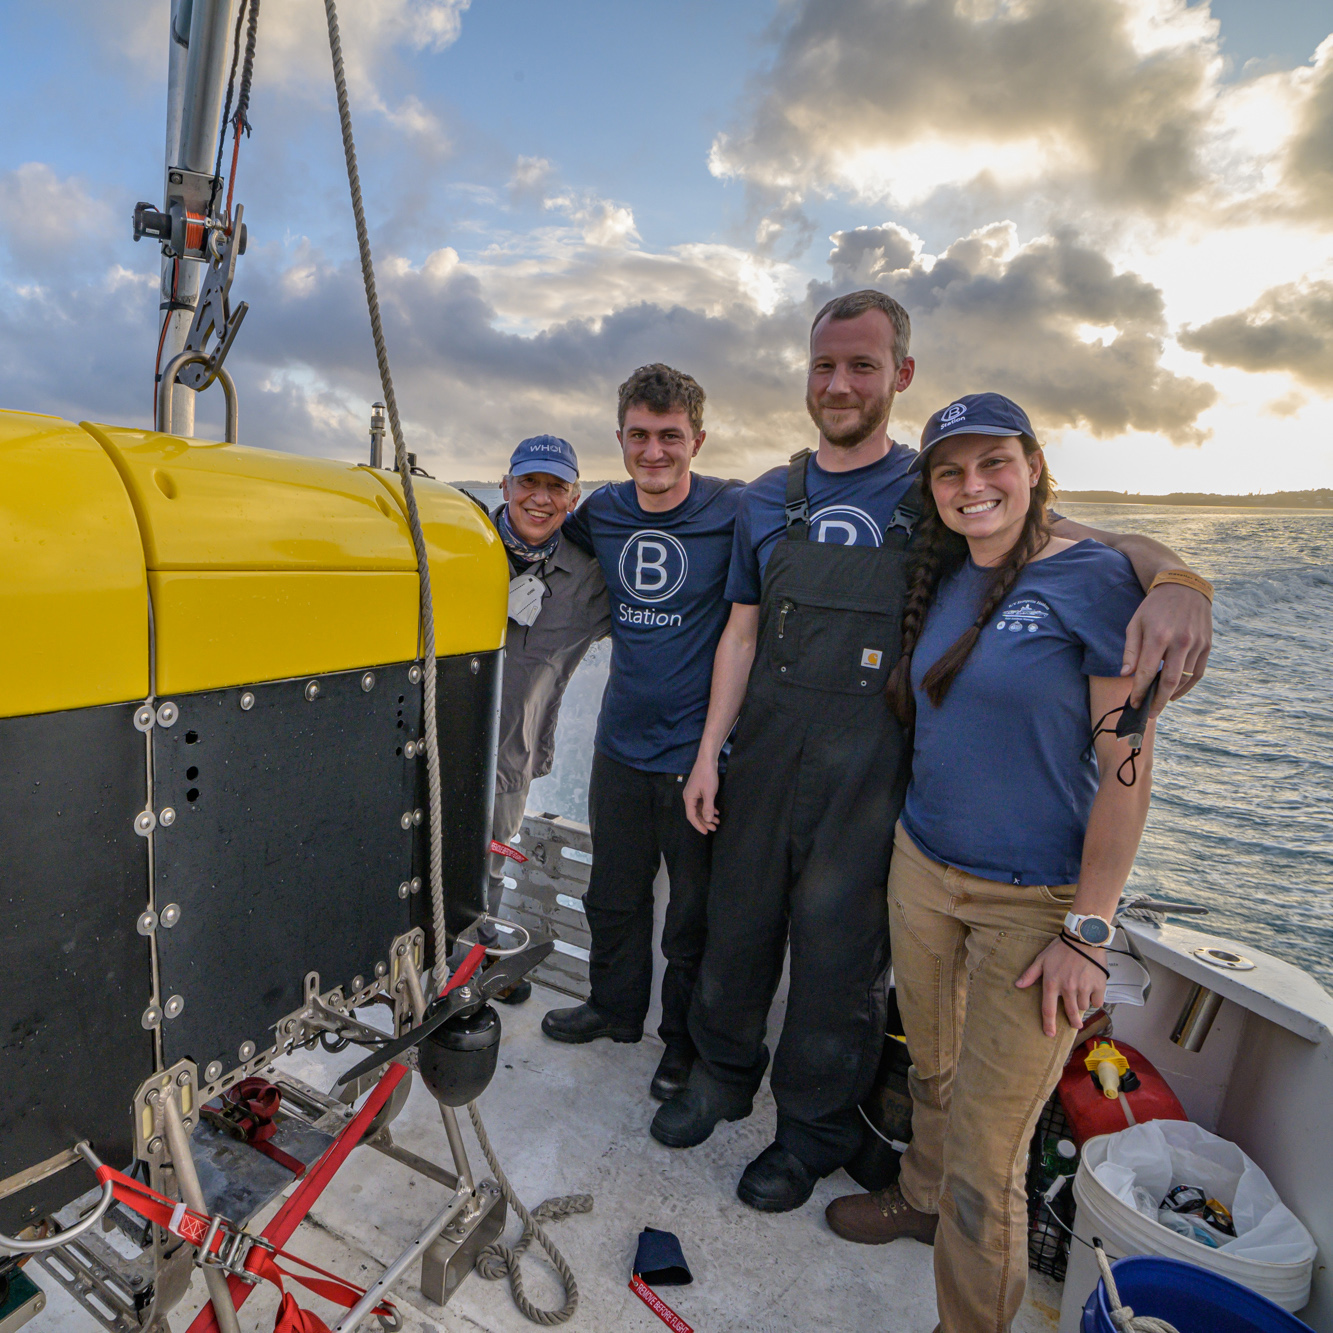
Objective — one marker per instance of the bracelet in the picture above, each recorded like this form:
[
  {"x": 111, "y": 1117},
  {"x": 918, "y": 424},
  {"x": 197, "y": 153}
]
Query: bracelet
[
  {"x": 1187, "y": 578},
  {"x": 1068, "y": 942}
]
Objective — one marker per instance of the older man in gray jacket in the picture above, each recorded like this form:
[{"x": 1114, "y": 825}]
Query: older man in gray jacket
[{"x": 558, "y": 608}]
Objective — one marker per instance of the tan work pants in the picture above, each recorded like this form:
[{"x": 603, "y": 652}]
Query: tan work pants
[{"x": 982, "y": 1070}]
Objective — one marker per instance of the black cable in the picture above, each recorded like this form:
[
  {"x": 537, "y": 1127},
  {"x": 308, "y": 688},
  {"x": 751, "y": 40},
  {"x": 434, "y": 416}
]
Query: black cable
[
  {"x": 247, "y": 70},
  {"x": 226, "y": 107},
  {"x": 1069, "y": 944}
]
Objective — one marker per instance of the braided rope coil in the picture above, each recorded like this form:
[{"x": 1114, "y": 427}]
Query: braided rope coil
[
  {"x": 1122, "y": 1316},
  {"x": 500, "y": 1260}
]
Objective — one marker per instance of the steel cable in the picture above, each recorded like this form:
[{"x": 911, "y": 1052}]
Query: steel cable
[{"x": 409, "y": 498}]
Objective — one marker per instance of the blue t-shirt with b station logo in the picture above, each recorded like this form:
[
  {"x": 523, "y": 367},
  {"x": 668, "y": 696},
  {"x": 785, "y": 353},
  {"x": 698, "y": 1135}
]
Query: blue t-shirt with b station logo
[
  {"x": 999, "y": 785},
  {"x": 667, "y": 574}
]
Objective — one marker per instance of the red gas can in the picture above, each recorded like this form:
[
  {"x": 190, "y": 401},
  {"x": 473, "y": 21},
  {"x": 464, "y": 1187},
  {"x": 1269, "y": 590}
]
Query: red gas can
[{"x": 1142, "y": 1094}]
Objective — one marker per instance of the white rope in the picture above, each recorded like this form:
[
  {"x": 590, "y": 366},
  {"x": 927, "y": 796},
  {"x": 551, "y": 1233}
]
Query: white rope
[
  {"x": 409, "y": 497},
  {"x": 1122, "y": 1316},
  {"x": 499, "y": 1260}
]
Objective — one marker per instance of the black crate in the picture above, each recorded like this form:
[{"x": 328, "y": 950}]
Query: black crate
[{"x": 1048, "y": 1239}]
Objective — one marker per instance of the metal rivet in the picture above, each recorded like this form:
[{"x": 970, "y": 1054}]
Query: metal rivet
[
  {"x": 167, "y": 714},
  {"x": 368, "y": 681},
  {"x": 167, "y": 818},
  {"x": 147, "y": 922},
  {"x": 247, "y": 1050},
  {"x": 247, "y": 701},
  {"x": 476, "y": 665},
  {"x": 214, "y": 1071},
  {"x": 183, "y": 1079},
  {"x": 152, "y": 1096},
  {"x": 414, "y": 674},
  {"x": 289, "y": 1026},
  {"x": 144, "y": 823},
  {"x": 170, "y": 914},
  {"x": 417, "y": 816},
  {"x": 152, "y": 1016},
  {"x": 406, "y": 820},
  {"x": 782, "y": 668},
  {"x": 410, "y": 749},
  {"x": 402, "y": 948},
  {"x": 863, "y": 682},
  {"x": 155, "y": 1146},
  {"x": 312, "y": 690},
  {"x": 381, "y": 969},
  {"x": 358, "y": 983},
  {"x": 143, "y": 718},
  {"x": 416, "y": 884},
  {"x": 421, "y": 745},
  {"x": 188, "y": 1122},
  {"x": 404, "y": 889},
  {"x": 173, "y": 1006}
]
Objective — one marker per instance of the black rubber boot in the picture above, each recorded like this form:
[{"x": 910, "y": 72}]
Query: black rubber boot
[
  {"x": 689, "y": 1117},
  {"x": 673, "y": 1072},
  {"x": 516, "y": 993},
  {"x": 583, "y": 1023},
  {"x": 776, "y": 1181}
]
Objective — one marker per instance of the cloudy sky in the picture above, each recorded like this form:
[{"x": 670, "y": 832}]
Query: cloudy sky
[{"x": 1119, "y": 212}]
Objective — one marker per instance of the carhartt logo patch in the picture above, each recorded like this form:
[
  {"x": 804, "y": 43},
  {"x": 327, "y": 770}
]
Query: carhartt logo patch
[{"x": 872, "y": 657}]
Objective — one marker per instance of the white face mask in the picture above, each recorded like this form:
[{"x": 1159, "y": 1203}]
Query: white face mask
[{"x": 526, "y": 592}]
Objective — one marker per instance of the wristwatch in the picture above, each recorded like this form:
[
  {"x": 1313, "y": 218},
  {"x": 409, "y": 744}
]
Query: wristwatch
[{"x": 1093, "y": 930}]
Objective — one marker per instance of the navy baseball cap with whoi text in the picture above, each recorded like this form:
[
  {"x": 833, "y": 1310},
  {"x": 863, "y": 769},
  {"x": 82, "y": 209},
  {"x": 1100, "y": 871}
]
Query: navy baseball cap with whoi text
[
  {"x": 545, "y": 453},
  {"x": 974, "y": 414}
]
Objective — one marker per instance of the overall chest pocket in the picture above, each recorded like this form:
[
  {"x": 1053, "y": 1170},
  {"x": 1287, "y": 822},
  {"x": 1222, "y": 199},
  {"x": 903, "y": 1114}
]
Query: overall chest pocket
[{"x": 849, "y": 649}]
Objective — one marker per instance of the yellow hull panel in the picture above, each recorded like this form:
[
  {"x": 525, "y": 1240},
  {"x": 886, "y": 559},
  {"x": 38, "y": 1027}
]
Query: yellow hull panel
[
  {"x": 236, "y": 627},
  {"x": 262, "y": 566},
  {"x": 73, "y": 594}
]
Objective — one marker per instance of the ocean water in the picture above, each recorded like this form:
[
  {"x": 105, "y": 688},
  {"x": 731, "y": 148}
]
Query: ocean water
[{"x": 1242, "y": 813}]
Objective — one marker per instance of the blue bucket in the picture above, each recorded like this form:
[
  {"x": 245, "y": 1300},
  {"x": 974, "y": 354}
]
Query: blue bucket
[{"x": 1194, "y": 1299}]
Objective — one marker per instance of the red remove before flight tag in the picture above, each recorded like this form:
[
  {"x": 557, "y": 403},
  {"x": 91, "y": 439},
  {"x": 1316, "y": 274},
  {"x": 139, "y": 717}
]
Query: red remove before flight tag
[
  {"x": 503, "y": 849},
  {"x": 658, "y": 1306}
]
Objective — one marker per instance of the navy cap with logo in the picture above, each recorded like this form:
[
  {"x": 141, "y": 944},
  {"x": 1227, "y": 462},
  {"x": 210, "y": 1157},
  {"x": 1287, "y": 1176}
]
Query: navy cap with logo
[
  {"x": 974, "y": 414},
  {"x": 545, "y": 453}
]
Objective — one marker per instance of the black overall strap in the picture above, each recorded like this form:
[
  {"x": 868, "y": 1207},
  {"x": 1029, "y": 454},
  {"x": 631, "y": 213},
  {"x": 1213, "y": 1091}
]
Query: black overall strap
[
  {"x": 798, "y": 506},
  {"x": 907, "y": 513}
]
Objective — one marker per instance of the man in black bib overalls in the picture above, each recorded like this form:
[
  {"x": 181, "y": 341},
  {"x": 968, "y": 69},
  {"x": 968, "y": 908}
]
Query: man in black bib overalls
[
  {"x": 817, "y": 772},
  {"x": 815, "y": 782}
]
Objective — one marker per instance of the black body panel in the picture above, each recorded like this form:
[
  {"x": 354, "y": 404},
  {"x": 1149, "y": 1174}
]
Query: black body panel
[
  {"x": 468, "y": 718},
  {"x": 75, "y": 975},
  {"x": 286, "y": 853}
]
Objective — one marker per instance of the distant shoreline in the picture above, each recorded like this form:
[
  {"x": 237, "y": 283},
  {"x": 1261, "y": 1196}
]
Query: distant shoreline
[{"x": 1317, "y": 499}]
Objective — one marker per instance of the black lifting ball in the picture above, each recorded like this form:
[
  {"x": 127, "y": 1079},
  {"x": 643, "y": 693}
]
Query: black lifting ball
[{"x": 457, "y": 1060}]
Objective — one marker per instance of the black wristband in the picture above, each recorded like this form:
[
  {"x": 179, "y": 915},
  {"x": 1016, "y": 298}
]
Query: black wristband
[{"x": 1068, "y": 941}]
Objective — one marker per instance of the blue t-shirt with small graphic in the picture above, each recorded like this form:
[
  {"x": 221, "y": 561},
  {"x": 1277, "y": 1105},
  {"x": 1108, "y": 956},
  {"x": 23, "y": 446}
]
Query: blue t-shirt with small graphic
[
  {"x": 999, "y": 785},
  {"x": 666, "y": 573},
  {"x": 848, "y": 508}
]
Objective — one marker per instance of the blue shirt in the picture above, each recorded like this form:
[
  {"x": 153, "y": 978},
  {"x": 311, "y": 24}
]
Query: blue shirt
[
  {"x": 850, "y": 508},
  {"x": 667, "y": 574},
  {"x": 999, "y": 785}
]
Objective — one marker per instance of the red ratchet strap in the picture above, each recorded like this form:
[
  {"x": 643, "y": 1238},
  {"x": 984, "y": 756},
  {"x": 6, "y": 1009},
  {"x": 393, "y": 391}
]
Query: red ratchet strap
[
  {"x": 249, "y": 1109},
  {"x": 504, "y": 849},
  {"x": 194, "y": 1227},
  {"x": 658, "y": 1306},
  {"x": 292, "y": 1213}
]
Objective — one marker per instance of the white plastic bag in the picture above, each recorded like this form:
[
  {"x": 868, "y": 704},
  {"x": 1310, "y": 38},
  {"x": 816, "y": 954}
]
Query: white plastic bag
[{"x": 1149, "y": 1159}]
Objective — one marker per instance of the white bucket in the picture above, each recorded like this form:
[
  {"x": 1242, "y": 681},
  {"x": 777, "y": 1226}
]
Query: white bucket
[{"x": 1125, "y": 1231}]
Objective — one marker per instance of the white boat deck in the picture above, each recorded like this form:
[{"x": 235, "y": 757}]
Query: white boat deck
[{"x": 574, "y": 1119}]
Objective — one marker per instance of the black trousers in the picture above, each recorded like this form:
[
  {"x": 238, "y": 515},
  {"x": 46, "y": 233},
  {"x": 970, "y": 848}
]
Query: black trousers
[
  {"x": 802, "y": 853},
  {"x": 637, "y": 818}
]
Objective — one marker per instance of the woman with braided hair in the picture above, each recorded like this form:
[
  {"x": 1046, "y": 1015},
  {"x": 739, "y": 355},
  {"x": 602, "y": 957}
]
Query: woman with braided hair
[{"x": 1014, "y": 844}]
